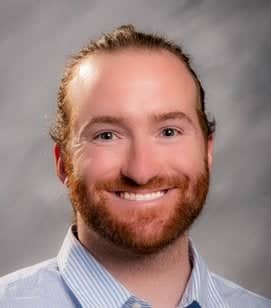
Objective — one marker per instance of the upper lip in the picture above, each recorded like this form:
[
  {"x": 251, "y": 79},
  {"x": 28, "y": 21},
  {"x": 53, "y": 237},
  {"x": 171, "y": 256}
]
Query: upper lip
[{"x": 143, "y": 191}]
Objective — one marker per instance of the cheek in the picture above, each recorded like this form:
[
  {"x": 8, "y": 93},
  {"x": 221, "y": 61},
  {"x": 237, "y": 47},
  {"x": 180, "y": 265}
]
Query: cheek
[
  {"x": 187, "y": 158},
  {"x": 98, "y": 163}
]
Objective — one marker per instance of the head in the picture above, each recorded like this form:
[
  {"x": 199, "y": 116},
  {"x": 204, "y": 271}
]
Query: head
[{"x": 133, "y": 142}]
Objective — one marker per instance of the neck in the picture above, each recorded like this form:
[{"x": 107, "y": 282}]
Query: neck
[{"x": 165, "y": 274}]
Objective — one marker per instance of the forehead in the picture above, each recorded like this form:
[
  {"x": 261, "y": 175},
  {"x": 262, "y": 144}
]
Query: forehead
[{"x": 134, "y": 82}]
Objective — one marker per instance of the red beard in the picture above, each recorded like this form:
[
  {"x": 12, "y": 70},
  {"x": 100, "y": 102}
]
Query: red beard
[{"x": 144, "y": 230}]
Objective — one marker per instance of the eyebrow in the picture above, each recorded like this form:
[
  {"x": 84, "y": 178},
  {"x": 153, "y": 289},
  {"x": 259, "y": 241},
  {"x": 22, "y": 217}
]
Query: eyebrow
[
  {"x": 122, "y": 121},
  {"x": 174, "y": 115}
]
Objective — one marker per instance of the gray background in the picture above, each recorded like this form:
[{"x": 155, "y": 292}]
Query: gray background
[{"x": 230, "y": 46}]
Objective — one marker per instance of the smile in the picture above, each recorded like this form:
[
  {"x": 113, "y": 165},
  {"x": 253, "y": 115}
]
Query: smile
[{"x": 141, "y": 197}]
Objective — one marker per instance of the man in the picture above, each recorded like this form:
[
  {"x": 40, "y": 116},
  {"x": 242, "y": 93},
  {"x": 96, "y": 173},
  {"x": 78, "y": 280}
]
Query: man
[{"x": 134, "y": 147}]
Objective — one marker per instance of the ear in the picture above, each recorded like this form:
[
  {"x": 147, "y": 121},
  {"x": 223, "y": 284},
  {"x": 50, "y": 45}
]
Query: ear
[
  {"x": 59, "y": 164},
  {"x": 210, "y": 151}
]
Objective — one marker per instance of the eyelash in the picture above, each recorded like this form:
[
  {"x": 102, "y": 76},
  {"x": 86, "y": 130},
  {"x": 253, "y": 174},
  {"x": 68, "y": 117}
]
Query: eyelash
[
  {"x": 179, "y": 131},
  {"x": 97, "y": 137}
]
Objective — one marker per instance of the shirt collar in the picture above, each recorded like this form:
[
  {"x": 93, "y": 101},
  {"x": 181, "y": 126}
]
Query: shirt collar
[
  {"x": 200, "y": 287},
  {"x": 93, "y": 285},
  {"x": 90, "y": 282}
]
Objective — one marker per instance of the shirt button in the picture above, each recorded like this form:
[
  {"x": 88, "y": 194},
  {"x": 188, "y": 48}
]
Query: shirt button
[{"x": 136, "y": 305}]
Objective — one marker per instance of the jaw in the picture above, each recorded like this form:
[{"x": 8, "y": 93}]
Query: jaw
[{"x": 146, "y": 225}]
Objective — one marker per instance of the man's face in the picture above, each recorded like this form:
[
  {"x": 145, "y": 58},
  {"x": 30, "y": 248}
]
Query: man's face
[{"x": 138, "y": 163}]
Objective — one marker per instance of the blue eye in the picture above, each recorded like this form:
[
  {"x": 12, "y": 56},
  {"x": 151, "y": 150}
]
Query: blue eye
[{"x": 170, "y": 132}]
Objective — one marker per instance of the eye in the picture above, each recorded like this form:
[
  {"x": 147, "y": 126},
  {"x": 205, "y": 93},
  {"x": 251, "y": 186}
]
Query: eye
[
  {"x": 170, "y": 132},
  {"x": 107, "y": 135}
]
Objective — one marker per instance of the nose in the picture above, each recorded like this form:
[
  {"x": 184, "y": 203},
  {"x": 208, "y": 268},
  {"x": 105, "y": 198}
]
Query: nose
[{"x": 141, "y": 163}]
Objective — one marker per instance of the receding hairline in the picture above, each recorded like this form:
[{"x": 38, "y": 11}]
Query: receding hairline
[{"x": 129, "y": 49}]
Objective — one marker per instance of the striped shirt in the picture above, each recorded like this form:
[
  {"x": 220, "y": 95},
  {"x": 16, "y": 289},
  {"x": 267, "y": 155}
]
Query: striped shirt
[{"x": 76, "y": 279}]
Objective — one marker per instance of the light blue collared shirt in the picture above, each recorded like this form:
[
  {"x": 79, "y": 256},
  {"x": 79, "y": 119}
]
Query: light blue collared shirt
[{"x": 76, "y": 279}]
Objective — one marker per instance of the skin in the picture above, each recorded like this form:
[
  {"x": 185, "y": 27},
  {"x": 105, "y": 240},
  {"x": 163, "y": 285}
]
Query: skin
[{"x": 144, "y": 84}]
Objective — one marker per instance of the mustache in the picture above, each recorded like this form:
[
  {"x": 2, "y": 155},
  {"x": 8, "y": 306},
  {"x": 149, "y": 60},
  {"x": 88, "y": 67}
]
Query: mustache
[{"x": 123, "y": 183}]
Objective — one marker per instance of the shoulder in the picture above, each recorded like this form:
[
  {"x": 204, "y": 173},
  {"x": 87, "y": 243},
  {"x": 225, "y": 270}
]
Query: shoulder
[
  {"x": 237, "y": 296},
  {"x": 28, "y": 276},
  {"x": 31, "y": 286}
]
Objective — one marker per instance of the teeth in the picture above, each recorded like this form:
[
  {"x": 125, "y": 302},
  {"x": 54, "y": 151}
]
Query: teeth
[{"x": 141, "y": 197}]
